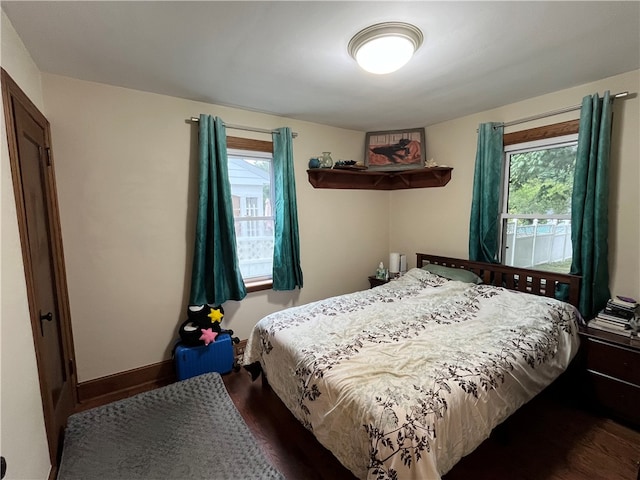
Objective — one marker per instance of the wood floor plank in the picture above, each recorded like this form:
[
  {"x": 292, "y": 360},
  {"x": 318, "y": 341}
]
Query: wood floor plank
[{"x": 548, "y": 439}]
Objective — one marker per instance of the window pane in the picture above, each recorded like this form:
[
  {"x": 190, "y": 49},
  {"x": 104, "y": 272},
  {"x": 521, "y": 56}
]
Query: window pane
[
  {"x": 539, "y": 243},
  {"x": 541, "y": 181},
  {"x": 536, "y": 216},
  {"x": 250, "y": 178}
]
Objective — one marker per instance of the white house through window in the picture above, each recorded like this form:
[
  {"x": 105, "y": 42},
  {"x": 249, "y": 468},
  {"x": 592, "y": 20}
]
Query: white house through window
[{"x": 250, "y": 176}]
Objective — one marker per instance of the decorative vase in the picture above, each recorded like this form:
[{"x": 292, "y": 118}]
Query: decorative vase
[
  {"x": 326, "y": 161},
  {"x": 314, "y": 163}
]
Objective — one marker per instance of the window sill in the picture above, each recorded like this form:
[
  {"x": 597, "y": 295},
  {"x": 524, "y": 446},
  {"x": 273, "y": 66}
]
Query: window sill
[{"x": 258, "y": 285}]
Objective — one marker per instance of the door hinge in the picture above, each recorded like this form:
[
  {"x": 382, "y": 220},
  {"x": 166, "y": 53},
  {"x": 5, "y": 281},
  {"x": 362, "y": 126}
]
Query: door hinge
[{"x": 47, "y": 152}]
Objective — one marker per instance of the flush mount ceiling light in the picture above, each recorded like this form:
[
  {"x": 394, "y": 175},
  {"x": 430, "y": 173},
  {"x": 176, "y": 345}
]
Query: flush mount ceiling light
[{"x": 385, "y": 47}]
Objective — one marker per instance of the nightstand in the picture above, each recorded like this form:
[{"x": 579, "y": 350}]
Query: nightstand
[
  {"x": 374, "y": 282},
  {"x": 612, "y": 367}
]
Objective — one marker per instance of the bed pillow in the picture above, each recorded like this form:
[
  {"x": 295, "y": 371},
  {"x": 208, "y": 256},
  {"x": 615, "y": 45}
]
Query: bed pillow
[{"x": 451, "y": 273}]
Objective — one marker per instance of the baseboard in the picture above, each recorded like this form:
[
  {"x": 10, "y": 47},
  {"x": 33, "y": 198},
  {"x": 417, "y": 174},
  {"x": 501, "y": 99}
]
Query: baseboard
[
  {"x": 107, "y": 389},
  {"x": 120, "y": 385}
]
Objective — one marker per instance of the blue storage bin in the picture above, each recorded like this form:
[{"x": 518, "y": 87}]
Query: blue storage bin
[{"x": 215, "y": 357}]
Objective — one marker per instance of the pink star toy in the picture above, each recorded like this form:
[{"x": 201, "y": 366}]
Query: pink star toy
[{"x": 208, "y": 335}]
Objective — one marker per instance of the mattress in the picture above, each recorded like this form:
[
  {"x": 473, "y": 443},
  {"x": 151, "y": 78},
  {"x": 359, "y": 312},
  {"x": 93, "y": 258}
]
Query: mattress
[{"x": 403, "y": 380}]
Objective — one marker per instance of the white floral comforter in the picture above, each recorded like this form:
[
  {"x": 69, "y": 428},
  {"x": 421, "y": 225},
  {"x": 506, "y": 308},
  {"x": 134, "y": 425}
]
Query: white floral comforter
[{"x": 403, "y": 380}]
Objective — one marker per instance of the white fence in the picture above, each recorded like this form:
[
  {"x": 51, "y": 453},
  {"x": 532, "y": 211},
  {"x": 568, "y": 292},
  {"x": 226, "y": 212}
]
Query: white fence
[
  {"x": 254, "y": 238},
  {"x": 537, "y": 244}
]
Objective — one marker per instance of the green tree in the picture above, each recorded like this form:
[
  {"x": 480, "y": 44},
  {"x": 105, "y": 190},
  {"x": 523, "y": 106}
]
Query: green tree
[{"x": 541, "y": 181}]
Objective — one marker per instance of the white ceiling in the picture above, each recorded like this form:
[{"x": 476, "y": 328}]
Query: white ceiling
[{"x": 290, "y": 58}]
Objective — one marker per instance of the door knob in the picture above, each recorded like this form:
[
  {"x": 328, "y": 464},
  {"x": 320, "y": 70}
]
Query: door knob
[{"x": 48, "y": 317}]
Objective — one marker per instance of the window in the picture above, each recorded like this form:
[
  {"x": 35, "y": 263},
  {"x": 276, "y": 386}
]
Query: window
[
  {"x": 251, "y": 207},
  {"x": 250, "y": 176},
  {"x": 536, "y": 204}
]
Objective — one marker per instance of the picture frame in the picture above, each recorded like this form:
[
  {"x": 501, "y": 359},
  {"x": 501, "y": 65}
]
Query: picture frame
[{"x": 395, "y": 149}]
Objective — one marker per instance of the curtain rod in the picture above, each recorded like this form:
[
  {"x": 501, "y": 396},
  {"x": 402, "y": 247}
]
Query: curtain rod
[
  {"x": 247, "y": 129},
  {"x": 556, "y": 112}
]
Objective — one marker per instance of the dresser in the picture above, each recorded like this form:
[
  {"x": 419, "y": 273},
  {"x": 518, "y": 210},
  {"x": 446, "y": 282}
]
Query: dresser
[{"x": 612, "y": 373}]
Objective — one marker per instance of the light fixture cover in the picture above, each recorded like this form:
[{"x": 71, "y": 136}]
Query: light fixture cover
[{"x": 385, "y": 47}]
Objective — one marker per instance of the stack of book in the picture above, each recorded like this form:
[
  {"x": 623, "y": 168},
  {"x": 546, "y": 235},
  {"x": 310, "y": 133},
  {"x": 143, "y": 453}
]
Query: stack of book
[{"x": 616, "y": 316}]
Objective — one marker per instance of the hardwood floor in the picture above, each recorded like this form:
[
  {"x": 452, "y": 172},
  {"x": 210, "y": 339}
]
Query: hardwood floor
[
  {"x": 550, "y": 438},
  {"x": 547, "y": 439}
]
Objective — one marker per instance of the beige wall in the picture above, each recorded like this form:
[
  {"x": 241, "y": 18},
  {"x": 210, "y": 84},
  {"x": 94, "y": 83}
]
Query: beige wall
[
  {"x": 23, "y": 439},
  {"x": 126, "y": 173},
  {"x": 437, "y": 220},
  {"x": 125, "y": 170}
]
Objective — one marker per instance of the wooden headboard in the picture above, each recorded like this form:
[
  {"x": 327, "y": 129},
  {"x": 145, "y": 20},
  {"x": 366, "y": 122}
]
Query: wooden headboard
[{"x": 522, "y": 279}]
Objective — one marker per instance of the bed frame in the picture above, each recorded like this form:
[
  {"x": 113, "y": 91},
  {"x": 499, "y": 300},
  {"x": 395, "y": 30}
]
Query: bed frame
[{"x": 513, "y": 278}]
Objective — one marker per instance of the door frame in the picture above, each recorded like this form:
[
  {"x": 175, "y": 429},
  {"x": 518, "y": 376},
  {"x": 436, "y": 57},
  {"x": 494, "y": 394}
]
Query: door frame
[{"x": 11, "y": 93}]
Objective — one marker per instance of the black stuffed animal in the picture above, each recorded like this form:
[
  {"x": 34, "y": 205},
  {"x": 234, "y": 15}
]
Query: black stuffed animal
[{"x": 199, "y": 318}]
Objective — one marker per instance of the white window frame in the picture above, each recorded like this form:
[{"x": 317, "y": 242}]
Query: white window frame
[
  {"x": 524, "y": 147},
  {"x": 256, "y": 155}
]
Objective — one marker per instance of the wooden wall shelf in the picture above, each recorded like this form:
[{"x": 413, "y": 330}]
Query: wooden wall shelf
[{"x": 379, "y": 179}]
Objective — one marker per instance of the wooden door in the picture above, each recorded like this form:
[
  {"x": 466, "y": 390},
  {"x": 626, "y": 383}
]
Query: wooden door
[{"x": 28, "y": 138}]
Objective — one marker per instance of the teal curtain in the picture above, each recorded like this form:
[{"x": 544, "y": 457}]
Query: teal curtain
[
  {"x": 484, "y": 225},
  {"x": 589, "y": 204},
  {"x": 287, "y": 274},
  {"x": 216, "y": 275}
]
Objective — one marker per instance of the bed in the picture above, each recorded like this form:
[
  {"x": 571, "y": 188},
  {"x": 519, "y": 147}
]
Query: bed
[{"x": 402, "y": 380}]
